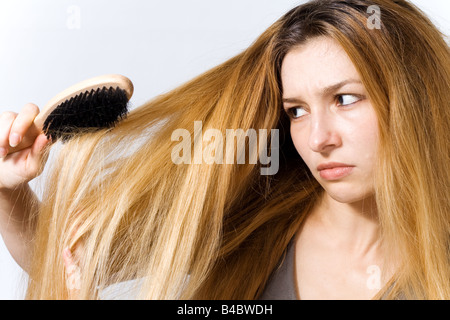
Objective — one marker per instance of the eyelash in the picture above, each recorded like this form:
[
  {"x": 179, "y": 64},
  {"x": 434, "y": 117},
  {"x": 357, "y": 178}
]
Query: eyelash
[
  {"x": 358, "y": 98},
  {"x": 336, "y": 99}
]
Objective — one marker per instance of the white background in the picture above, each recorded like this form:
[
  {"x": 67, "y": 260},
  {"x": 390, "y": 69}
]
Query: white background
[{"x": 46, "y": 46}]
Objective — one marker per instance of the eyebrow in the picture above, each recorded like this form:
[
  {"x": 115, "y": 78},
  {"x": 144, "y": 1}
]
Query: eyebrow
[{"x": 327, "y": 90}]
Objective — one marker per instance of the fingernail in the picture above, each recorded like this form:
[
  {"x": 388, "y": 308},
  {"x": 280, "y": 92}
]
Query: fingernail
[
  {"x": 3, "y": 152},
  {"x": 14, "y": 140}
]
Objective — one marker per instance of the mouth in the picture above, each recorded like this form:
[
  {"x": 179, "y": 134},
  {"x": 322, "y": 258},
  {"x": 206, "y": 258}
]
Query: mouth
[{"x": 334, "y": 170}]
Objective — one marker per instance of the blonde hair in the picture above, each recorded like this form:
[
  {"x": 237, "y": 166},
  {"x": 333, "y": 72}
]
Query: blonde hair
[{"x": 217, "y": 231}]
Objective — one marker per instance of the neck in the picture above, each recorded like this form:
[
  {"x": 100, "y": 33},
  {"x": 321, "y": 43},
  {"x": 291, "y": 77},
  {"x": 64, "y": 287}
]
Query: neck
[{"x": 353, "y": 227}]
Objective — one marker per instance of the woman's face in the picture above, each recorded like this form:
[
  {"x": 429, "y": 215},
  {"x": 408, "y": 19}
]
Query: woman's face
[{"x": 333, "y": 124}]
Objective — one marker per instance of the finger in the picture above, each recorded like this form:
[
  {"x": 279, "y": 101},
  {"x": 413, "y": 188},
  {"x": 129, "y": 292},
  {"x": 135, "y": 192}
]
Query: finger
[
  {"x": 37, "y": 157},
  {"x": 22, "y": 123},
  {"x": 31, "y": 160},
  {"x": 69, "y": 262},
  {"x": 39, "y": 144},
  {"x": 73, "y": 274},
  {"x": 6, "y": 121}
]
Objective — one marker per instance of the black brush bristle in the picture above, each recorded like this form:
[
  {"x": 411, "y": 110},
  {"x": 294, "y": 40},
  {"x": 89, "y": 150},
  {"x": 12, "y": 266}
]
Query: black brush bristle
[{"x": 87, "y": 112}]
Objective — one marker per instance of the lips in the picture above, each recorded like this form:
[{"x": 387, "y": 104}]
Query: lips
[{"x": 334, "y": 170}]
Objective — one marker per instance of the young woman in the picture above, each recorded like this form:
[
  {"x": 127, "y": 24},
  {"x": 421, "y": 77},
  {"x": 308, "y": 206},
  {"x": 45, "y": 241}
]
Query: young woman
[{"x": 358, "y": 209}]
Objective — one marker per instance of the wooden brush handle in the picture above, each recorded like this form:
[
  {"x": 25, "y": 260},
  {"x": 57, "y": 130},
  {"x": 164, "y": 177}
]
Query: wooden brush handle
[{"x": 111, "y": 80}]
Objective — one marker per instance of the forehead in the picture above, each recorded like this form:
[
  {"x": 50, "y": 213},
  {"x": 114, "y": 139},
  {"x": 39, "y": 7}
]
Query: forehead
[{"x": 318, "y": 63}]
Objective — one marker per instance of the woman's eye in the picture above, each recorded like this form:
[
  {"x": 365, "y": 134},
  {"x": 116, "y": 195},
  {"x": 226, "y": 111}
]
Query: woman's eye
[
  {"x": 347, "y": 99},
  {"x": 296, "y": 112}
]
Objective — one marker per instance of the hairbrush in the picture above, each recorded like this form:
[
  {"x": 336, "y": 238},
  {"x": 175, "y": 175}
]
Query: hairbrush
[{"x": 90, "y": 105}]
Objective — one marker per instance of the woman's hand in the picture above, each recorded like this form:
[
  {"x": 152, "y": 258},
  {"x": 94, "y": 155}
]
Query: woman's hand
[
  {"x": 19, "y": 167},
  {"x": 17, "y": 201},
  {"x": 73, "y": 274}
]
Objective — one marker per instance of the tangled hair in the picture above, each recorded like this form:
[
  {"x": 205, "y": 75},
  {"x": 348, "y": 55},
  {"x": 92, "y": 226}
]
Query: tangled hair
[{"x": 217, "y": 231}]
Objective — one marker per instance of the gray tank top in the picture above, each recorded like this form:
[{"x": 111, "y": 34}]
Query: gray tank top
[{"x": 281, "y": 284}]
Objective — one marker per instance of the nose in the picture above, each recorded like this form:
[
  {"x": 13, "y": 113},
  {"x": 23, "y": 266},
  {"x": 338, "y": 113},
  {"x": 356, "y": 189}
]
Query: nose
[{"x": 323, "y": 136}]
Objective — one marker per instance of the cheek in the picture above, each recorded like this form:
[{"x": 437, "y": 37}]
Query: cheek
[{"x": 364, "y": 137}]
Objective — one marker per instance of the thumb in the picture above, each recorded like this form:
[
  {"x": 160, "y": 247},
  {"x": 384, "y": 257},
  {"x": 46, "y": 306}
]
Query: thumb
[
  {"x": 39, "y": 144},
  {"x": 37, "y": 157}
]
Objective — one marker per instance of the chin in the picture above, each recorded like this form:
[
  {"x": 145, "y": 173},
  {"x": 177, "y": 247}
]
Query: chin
[
  {"x": 348, "y": 194},
  {"x": 345, "y": 198}
]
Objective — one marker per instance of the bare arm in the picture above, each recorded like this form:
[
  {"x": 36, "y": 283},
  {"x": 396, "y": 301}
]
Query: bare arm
[
  {"x": 16, "y": 226},
  {"x": 18, "y": 203}
]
